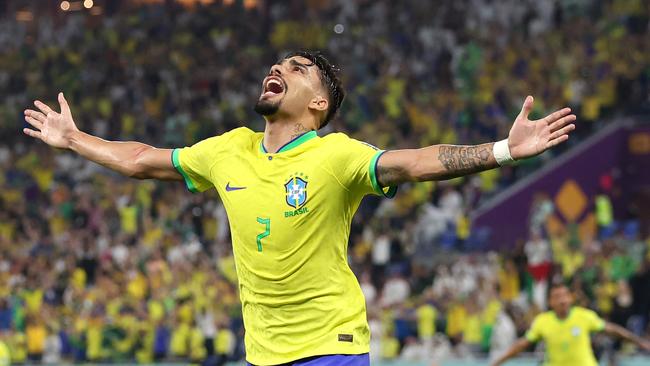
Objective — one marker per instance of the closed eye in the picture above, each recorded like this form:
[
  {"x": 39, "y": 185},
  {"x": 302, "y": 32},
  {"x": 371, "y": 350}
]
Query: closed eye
[{"x": 297, "y": 66}]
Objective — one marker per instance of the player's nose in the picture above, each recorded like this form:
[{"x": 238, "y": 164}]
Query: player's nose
[{"x": 275, "y": 70}]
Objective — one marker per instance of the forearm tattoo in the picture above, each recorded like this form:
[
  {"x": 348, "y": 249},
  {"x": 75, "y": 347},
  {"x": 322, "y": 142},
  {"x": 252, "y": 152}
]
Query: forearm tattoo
[
  {"x": 461, "y": 160},
  {"x": 453, "y": 161}
]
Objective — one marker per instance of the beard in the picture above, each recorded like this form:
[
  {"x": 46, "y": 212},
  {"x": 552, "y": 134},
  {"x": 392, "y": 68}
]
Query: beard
[{"x": 267, "y": 107}]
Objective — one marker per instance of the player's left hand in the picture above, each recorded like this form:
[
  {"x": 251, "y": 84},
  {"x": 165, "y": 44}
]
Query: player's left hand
[{"x": 529, "y": 138}]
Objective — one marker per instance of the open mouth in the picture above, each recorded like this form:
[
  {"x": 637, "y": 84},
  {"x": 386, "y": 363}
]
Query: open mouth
[{"x": 272, "y": 87}]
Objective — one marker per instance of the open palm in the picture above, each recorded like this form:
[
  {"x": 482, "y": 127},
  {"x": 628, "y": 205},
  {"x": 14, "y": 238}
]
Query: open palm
[
  {"x": 529, "y": 138},
  {"x": 51, "y": 127}
]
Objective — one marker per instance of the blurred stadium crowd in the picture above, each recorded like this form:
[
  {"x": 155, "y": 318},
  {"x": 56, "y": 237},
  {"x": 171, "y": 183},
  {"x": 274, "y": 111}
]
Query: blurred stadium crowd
[{"x": 96, "y": 267}]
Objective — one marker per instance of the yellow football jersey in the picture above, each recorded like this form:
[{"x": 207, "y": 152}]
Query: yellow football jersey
[
  {"x": 290, "y": 214},
  {"x": 568, "y": 341}
]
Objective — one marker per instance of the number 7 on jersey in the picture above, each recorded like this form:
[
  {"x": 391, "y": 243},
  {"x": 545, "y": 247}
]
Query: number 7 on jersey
[{"x": 267, "y": 231}]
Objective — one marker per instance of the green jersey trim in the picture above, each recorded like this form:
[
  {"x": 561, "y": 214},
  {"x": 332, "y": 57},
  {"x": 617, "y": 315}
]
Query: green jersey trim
[
  {"x": 391, "y": 191},
  {"x": 601, "y": 326},
  {"x": 529, "y": 337},
  {"x": 293, "y": 143},
  {"x": 565, "y": 318},
  {"x": 177, "y": 165}
]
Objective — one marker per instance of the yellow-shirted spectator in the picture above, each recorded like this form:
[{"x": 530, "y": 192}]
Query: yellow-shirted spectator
[
  {"x": 43, "y": 178},
  {"x": 456, "y": 317},
  {"x": 392, "y": 100},
  {"x": 145, "y": 353},
  {"x": 137, "y": 286},
  {"x": 389, "y": 348},
  {"x": 472, "y": 330},
  {"x": 463, "y": 226},
  {"x": 426, "y": 320},
  {"x": 197, "y": 345},
  {"x": 590, "y": 108},
  {"x": 130, "y": 325},
  {"x": 156, "y": 310},
  {"x": 508, "y": 281},
  {"x": 94, "y": 339},
  {"x": 129, "y": 218},
  {"x": 489, "y": 179},
  {"x": 7, "y": 229},
  {"x": 35, "y": 334},
  {"x": 113, "y": 307},
  {"x": 33, "y": 300},
  {"x": 606, "y": 290},
  {"x": 5, "y": 355},
  {"x": 604, "y": 210},
  {"x": 570, "y": 262},
  {"x": 180, "y": 339},
  {"x": 491, "y": 311},
  {"x": 388, "y": 320},
  {"x": 185, "y": 312},
  {"x": 18, "y": 347},
  {"x": 79, "y": 278},
  {"x": 224, "y": 342}
]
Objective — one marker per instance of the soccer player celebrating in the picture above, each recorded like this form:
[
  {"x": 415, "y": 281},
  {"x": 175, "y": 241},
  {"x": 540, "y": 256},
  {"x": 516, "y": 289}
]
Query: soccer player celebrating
[
  {"x": 566, "y": 331},
  {"x": 290, "y": 196}
]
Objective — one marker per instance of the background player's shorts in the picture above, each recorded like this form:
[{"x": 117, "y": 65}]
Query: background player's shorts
[{"x": 330, "y": 360}]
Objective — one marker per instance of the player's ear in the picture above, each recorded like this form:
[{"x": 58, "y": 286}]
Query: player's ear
[{"x": 318, "y": 103}]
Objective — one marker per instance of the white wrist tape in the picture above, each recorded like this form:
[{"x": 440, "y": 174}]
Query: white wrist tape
[{"x": 501, "y": 152}]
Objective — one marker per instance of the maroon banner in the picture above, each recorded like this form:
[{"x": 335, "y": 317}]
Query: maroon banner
[{"x": 616, "y": 161}]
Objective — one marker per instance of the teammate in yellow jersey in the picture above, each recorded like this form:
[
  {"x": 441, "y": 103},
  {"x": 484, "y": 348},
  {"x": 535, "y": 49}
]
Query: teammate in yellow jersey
[
  {"x": 290, "y": 196},
  {"x": 566, "y": 330}
]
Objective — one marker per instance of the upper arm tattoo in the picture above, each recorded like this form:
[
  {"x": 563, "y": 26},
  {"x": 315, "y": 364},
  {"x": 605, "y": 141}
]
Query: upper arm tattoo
[
  {"x": 462, "y": 160},
  {"x": 390, "y": 175}
]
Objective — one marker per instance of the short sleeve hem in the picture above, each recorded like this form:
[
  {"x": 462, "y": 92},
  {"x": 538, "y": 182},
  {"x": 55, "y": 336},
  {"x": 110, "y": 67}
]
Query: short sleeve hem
[
  {"x": 600, "y": 326},
  {"x": 177, "y": 165},
  {"x": 530, "y": 337},
  {"x": 388, "y": 192}
]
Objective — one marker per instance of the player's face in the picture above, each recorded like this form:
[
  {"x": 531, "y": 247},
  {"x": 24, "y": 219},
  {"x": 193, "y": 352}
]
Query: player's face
[
  {"x": 561, "y": 300},
  {"x": 291, "y": 85}
]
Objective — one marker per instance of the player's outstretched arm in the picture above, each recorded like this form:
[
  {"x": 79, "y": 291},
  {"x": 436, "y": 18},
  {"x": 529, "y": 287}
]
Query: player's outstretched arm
[
  {"x": 517, "y": 348},
  {"x": 438, "y": 162},
  {"x": 618, "y": 331},
  {"x": 132, "y": 159}
]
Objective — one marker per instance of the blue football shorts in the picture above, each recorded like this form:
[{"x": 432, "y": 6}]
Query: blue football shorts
[{"x": 330, "y": 360}]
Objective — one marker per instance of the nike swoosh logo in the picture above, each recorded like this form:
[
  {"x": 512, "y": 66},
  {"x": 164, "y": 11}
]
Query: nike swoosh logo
[{"x": 229, "y": 188}]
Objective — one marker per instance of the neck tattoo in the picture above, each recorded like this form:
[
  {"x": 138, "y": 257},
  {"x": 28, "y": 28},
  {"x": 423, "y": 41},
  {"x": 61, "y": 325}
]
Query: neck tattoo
[{"x": 298, "y": 129}]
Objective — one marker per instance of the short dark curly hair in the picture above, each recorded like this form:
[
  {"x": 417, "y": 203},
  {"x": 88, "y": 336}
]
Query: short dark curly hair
[{"x": 328, "y": 77}]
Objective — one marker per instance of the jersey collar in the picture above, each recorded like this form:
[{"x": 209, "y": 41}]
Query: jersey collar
[
  {"x": 567, "y": 316},
  {"x": 293, "y": 143}
]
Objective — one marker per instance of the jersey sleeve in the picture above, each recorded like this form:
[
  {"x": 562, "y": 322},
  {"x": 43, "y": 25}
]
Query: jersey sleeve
[
  {"x": 195, "y": 162},
  {"x": 594, "y": 322},
  {"x": 534, "y": 334},
  {"x": 356, "y": 163}
]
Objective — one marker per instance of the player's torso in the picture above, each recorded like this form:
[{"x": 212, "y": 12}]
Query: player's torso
[
  {"x": 277, "y": 202},
  {"x": 290, "y": 218},
  {"x": 568, "y": 341}
]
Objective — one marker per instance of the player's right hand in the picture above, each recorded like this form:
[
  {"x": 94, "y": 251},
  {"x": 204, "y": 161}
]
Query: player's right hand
[
  {"x": 645, "y": 344},
  {"x": 53, "y": 128}
]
